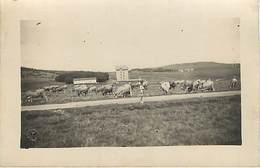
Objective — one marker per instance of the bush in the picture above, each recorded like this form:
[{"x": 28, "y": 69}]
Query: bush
[{"x": 69, "y": 76}]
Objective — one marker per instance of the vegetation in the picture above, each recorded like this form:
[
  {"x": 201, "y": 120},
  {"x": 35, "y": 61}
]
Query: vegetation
[
  {"x": 202, "y": 121},
  {"x": 221, "y": 74},
  {"x": 69, "y": 76}
]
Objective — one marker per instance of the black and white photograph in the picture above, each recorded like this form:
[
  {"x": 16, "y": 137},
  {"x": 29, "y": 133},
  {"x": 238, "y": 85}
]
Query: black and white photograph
[
  {"x": 122, "y": 77},
  {"x": 125, "y": 83}
]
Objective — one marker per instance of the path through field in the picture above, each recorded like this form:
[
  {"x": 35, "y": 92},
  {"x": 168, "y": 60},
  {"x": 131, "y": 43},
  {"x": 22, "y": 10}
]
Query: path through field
[{"x": 128, "y": 100}]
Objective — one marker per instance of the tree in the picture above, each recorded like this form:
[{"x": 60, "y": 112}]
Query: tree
[{"x": 69, "y": 76}]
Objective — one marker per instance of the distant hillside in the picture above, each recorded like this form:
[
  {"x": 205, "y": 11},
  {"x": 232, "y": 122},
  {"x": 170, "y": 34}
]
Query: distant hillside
[
  {"x": 200, "y": 65},
  {"x": 25, "y": 69},
  {"x": 32, "y": 79},
  {"x": 197, "y": 66},
  {"x": 60, "y": 76},
  {"x": 31, "y": 73}
]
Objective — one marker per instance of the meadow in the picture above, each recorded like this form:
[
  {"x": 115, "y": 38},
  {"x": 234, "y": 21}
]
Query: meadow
[{"x": 201, "y": 121}]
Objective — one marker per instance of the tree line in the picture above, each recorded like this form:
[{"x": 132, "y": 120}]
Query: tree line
[{"x": 68, "y": 77}]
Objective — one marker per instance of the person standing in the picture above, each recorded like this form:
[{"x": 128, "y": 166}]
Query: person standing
[{"x": 142, "y": 92}]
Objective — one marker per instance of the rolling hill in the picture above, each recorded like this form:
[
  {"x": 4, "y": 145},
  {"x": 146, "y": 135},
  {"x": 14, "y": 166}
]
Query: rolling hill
[
  {"x": 36, "y": 78},
  {"x": 196, "y": 66}
]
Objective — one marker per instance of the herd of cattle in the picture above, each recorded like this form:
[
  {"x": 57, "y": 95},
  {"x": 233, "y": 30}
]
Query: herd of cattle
[
  {"x": 188, "y": 86},
  {"x": 84, "y": 90},
  {"x": 193, "y": 86},
  {"x": 126, "y": 89}
]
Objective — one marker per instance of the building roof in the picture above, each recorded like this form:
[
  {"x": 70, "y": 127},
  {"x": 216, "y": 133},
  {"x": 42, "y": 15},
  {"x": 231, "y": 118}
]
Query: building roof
[
  {"x": 121, "y": 67},
  {"x": 92, "y": 78}
]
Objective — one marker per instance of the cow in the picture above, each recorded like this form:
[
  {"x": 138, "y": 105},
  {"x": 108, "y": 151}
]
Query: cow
[
  {"x": 172, "y": 84},
  {"x": 165, "y": 86},
  {"x": 179, "y": 82},
  {"x": 92, "y": 89},
  {"x": 100, "y": 88},
  {"x": 108, "y": 89},
  {"x": 61, "y": 88},
  {"x": 145, "y": 84},
  {"x": 52, "y": 88},
  {"x": 196, "y": 84},
  {"x": 187, "y": 86},
  {"x": 207, "y": 85},
  {"x": 75, "y": 87},
  {"x": 123, "y": 90},
  {"x": 105, "y": 89},
  {"x": 203, "y": 81},
  {"x": 81, "y": 89},
  {"x": 234, "y": 83},
  {"x": 39, "y": 93},
  {"x": 135, "y": 85},
  {"x": 47, "y": 88}
]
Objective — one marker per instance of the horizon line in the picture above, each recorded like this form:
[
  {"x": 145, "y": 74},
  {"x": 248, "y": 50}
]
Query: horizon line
[{"x": 135, "y": 67}]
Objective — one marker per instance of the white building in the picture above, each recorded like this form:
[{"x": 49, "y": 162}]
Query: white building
[
  {"x": 77, "y": 81},
  {"x": 186, "y": 70},
  {"x": 122, "y": 73}
]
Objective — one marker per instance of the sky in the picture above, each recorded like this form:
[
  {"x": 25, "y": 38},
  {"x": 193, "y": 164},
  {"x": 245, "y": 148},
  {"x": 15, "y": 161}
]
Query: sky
[{"x": 99, "y": 36}]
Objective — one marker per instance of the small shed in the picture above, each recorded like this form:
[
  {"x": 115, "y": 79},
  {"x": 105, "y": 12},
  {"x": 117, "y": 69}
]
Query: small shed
[{"x": 77, "y": 81}]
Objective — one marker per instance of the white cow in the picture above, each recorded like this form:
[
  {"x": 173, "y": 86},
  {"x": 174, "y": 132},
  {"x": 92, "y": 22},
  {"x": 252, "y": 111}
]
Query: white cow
[
  {"x": 145, "y": 84},
  {"x": 234, "y": 83},
  {"x": 165, "y": 86},
  {"x": 196, "y": 85},
  {"x": 207, "y": 85}
]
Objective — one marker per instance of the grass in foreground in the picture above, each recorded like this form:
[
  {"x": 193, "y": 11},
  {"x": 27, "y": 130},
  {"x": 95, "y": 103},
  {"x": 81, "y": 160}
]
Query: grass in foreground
[{"x": 211, "y": 121}]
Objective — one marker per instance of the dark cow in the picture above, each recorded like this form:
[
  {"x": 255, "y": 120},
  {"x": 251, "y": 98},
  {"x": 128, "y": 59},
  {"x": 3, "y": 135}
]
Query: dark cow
[
  {"x": 123, "y": 91},
  {"x": 92, "y": 89},
  {"x": 105, "y": 89},
  {"x": 81, "y": 90},
  {"x": 51, "y": 88},
  {"x": 187, "y": 86},
  {"x": 108, "y": 89},
  {"x": 61, "y": 88}
]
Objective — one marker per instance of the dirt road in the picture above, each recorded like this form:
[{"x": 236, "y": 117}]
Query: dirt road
[{"x": 128, "y": 100}]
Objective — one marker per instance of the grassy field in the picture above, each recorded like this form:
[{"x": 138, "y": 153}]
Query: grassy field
[
  {"x": 69, "y": 96},
  {"x": 208, "y": 121},
  {"x": 221, "y": 74}
]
